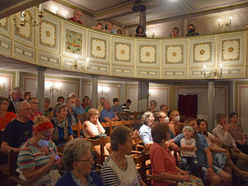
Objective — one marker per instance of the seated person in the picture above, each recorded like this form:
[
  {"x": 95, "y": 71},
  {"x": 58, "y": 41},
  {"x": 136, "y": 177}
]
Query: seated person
[
  {"x": 62, "y": 130},
  {"x": 164, "y": 108},
  {"x": 147, "y": 120},
  {"x": 175, "y": 125},
  {"x": 5, "y": 116},
  {"x": 188, "y": 155},
  {"x": 48, "y": 110},
  {"x": 175, "y": 32},
  {"x": 153, "y": 105},
  {"x": 163, "y": 163},
  {"x": 234, "y": 128},
  {"x": 72, "y": 117},
  {"x": 191, "y": 30},
  {"x": 107, "y": 114},
  {"x": 19, "y": 130},
  {"x": 221, "y": 156},
  {"x": 119, "y": 168},
  {"x": 140, "y": 31},
  {"x": 60, "y": 99},
  {"x": 77, "y": 16},
  {"x": 109, "y": 28},
  {"x": 116, "y": 107},
  {"x": 78, "y": 161},
  {"x": 34, "y": 103},
  {"x": 92, "y": 128},
  {"x": 27, "y": 96},
  {"x": 203, "y": 154},
  {"x": 222, "y": 133},
  {"x": 100, "y": 107},
  {"x": 126, "y": 106},
  {"x": 38, "y": 156},
  {"x": 98, "y": 26},
  {"x": 161, "y": 117},
  {"x": 78, "y": 109}
]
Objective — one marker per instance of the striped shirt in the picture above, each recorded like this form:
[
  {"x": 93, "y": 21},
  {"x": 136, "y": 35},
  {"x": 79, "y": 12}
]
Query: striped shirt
[
  {"x": 30, "y": 156},
  {"x": 113, "y": 175}
]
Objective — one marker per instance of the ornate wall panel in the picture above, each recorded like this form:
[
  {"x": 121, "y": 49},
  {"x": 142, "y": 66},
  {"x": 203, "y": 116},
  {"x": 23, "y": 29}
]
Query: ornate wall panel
[
  {"x": 123, "y": 51},
  {"x": 24, "y": 34},
  {"x": 147, "y": 53},
  {"x": 174, "y": 73},
  {"x": 73, "y": 64},
  {"x": 49, "y": 60},
  {"x": 96, "y": 68},
  {"x": 98, "y": 47},
  {"x": 5, "y": 46},
  {"x": 174, "y": 53},
  {"x": 231, "y": 49},
  {"x": 202, "y": 51},
  {"x": 148, "y": 73},
  {"x": 74, "y": 40},
  {"x": 24, "y": 53},
  {"x": 122, "y": 71},
  {"x": 49, "y": 34},
  {"x": 5, "y": 26}
]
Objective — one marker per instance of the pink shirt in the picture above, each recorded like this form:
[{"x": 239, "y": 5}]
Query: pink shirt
[{"x": 162, "y": 161}]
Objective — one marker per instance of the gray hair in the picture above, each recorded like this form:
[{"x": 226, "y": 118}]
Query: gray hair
[
  {"x": 73, "y": 152},
  {"x": 219, "y": 116},
  {"x": 58, "y": 107},
  {"x": 145, "y": 117},
  {"x": 20, "y": 104}
]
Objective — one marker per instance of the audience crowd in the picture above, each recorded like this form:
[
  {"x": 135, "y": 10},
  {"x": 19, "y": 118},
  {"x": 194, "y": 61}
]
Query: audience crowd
[{"x": 183, "y": 152}]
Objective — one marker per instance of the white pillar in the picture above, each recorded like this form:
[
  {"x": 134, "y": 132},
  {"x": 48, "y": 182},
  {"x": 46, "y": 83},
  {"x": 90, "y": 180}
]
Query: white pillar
[
  {"x": 81, "y": 88},
  {"x": 123, "y": 93},
  {"x": 211, "y": 103},
  {"x": 41, "y": 88},
  {"x": 143, "y": 95},
  {"x": 94, "y": 93}
]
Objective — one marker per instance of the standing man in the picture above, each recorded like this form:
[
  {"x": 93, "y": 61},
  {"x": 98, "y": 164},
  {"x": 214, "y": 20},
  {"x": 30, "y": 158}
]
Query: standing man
[{"x": 14, "y": 96}]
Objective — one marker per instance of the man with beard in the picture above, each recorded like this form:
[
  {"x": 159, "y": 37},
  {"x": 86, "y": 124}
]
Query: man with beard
[{"x": 191, "y": 30}]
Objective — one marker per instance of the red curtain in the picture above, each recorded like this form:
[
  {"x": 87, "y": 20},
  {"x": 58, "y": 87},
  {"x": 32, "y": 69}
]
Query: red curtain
[{"x": 187, "y": 106}]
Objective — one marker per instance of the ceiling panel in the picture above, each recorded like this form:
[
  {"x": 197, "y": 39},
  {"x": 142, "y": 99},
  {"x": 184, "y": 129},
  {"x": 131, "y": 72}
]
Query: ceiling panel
[
  {"x": 97, "y": 5},
  {"x": 209, "y": 4}
]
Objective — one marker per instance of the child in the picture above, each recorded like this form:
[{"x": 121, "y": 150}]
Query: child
[{"x": 188, "y": 149}]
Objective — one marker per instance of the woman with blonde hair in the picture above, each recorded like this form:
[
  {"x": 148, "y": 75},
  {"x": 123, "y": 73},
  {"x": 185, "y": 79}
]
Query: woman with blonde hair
[{"x": 38, "y": 158}]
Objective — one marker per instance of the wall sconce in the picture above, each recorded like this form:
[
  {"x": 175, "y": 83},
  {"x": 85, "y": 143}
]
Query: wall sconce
[
  {"x": 26, "y": 17},
  {"x": 227, "y": 24},
  {"x": 54, "y": 86},
  {"x": 217, "y": 73},
  {"x": 75, "y": 65},
  {"x": 3, "y": 82},
  {"x": 104, "y": 91}
]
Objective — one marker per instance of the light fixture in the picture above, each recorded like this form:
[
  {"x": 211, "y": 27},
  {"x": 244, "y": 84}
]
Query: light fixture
[
  {"x": 75, "y": 62},
  {"x": 26, "y": 17},
  {"x": 227, "y": 23},
  {"x": 3, "y": 82},
  {"x": 53, "y": 86},
  {"x": 217, "y": 72}
]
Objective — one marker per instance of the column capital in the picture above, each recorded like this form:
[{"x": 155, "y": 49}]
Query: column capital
[{"x": 41, "y": 69}]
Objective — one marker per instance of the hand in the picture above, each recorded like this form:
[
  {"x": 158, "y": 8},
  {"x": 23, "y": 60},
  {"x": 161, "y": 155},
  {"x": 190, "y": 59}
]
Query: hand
[
  {"x": 195, "y": 149},
  {"x": 236, "y": 149},
  {"x": 185, "y": 173},
  {"x": 210, "y": 172},
  {"x": 52, "y": 160},
  {"x": 174, "y": 147},
  {"x": 185, "y": 178}
]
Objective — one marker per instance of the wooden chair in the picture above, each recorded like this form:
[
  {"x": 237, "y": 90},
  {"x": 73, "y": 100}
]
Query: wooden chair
[
  {"x": 102, "y": 142},
  {"x": 77, "y": 128},
  {"x": 12, "y": 174},
  {"x": 107, "y": 125}
]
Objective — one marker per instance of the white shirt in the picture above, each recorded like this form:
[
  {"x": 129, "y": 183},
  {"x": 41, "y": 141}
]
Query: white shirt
[
  {"x": 188, "y": 142},
  {"x": 224, "y": 136}
]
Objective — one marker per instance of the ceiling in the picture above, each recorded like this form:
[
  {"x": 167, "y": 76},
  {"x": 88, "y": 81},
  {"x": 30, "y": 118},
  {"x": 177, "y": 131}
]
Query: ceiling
[{"x": 120, "y": 11}]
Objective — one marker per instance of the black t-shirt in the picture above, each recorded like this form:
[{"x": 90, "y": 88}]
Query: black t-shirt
[{"x": 16, "y": 133}]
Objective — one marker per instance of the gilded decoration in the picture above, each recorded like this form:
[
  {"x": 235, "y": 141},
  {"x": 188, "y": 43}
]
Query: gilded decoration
[
  {"x": 202, "y": 52},
  {"x": 147, "y": 54},
  {"x": 73, "y": 42},
  {"x": 4, "y": 23},
  {"x": 122, "y": 52},
  {"x": 48, "y": 34},
  {"x": 98, "y": 48},
  {"x": 24, "y": 31},
  {"x": 231, "y": 50},
  {"x": 174, "y": 54}
]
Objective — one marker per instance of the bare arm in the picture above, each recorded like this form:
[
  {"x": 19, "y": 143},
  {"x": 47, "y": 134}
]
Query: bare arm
[
  {"x": 70, "y": 137},
  {"x": 188, "y": 147},
  {"x": 210, "y": 162},
  {"x": 33, "y": 175},
  {"x": 100, "y": 128},
  {"x": 116, "y": 118},
  {"x": 5, "y": 148},
  {"x": 88, "y": 129}
]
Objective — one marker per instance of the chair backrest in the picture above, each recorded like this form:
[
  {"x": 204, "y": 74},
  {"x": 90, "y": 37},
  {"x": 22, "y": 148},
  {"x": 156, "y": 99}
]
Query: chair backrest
[
  {"x": 141, "y": 160},
  {"x": 12, "y": 162}
]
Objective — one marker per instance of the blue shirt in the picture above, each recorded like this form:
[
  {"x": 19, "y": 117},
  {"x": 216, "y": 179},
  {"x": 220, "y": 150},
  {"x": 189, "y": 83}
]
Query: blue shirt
[
  {"x": 79, "y": 110},
  {"x": 145, "y": 134},
  {"x": 201, "y": 144},
  {"x": 109, "y": 114}
]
